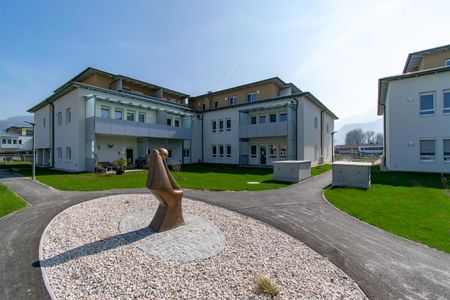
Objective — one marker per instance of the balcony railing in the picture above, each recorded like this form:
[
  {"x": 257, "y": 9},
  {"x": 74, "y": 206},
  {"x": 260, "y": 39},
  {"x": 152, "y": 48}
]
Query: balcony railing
[
  {"x": 263, "y": 130},
  {"x": 138, "y": 129}
]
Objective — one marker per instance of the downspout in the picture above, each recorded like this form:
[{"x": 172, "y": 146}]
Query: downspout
[
  {"x": 53, "y": 133},
  {"x": 296, "y": 127},
  {"x": 384, "y": 134},
  {"x": 321, "y": 132},
  {"x": 200, "y": 117}
]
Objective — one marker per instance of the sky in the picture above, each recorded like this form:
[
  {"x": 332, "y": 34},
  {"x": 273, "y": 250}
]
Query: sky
[{"x": 335, "y": 49}]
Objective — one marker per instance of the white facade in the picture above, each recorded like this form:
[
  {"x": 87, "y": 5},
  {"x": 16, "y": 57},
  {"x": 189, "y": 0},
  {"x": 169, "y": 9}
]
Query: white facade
[{"x": 407, "y": 128}]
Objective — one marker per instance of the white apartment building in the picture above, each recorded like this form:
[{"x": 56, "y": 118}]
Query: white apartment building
[
  {"x": 15, "y": 142},
  {"x": 98, "y": 117},
  {"x": 416, "y": 110}
]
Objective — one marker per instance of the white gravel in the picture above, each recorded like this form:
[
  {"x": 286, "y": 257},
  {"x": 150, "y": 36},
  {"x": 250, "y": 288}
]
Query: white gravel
[{"x": 84, "y": 257}]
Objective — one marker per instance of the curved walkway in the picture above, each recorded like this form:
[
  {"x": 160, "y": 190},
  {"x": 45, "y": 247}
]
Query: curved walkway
[{"x": 385, "y": 266}]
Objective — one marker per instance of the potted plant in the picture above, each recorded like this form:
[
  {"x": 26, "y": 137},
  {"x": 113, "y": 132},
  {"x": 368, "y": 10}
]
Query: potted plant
[{"x": 120, "y": 165}]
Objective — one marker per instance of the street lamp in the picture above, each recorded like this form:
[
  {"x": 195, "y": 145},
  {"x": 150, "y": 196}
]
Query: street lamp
[{"x": 34, "y": 152}]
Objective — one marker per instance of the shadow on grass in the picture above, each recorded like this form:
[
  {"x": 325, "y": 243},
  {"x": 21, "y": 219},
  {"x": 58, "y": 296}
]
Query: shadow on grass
[
  {"x": 406, "y": 179},
  {"x": 95, "y": 247}
]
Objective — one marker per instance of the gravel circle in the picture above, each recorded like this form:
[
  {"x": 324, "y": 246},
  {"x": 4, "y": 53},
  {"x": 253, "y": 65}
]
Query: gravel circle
[{"x": 83, "y": 256}]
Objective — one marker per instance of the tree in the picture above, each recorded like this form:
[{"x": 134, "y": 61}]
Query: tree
[
  {"x": 379, "y": 139},
  {"x": 355, "y": 137},
  {"x": 370, "y": 137}
]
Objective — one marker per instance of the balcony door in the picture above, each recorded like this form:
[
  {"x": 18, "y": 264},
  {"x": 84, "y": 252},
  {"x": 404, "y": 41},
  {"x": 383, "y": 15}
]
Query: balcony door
[
  {"x": 129, "y": 154},
  {"x": 262, "y": 154}
]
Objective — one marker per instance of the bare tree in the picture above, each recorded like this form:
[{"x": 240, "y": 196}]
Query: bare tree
[
  {"x": 379, "y": 139},
  {"x": 370, "y": 137},
  {"x": 355, "y": 137}
]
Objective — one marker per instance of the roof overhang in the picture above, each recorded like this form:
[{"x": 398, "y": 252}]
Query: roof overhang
[{"x": 414, "y": 59}]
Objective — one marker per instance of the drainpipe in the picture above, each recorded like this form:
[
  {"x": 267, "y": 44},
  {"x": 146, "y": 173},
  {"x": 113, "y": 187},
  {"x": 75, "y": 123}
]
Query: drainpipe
[
  {"x": 53, "y": 133},
  {"x": 321, "y": 132},
  {"x": 384, "y": 134},
  {"x": 200, "y": 117},
  {"x": 296, "y": 127}
]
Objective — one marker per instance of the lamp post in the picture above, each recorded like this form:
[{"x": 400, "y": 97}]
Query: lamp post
[
  {"x": 332, "y": 146},
  {"x": 34, "y": 152}
]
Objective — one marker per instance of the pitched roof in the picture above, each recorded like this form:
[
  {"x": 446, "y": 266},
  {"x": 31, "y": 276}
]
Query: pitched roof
[{"x": 414, "y": 59}]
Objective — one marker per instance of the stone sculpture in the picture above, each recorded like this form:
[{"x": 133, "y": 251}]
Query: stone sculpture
[{"x": 164, "y": 187}]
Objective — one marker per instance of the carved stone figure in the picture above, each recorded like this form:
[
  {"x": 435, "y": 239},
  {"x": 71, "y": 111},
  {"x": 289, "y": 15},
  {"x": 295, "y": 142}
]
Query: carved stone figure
[{"x": 164, "y": 187}]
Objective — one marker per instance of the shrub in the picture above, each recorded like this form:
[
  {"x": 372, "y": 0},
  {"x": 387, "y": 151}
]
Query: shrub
[{"x": 267, "y": 286}]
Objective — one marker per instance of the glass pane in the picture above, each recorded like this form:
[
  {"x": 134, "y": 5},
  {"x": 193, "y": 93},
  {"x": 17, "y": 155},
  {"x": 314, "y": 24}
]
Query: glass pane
[
  {"x": 262, "y": 119},
  {"x": 426, "y": 102},
  {"x": 105, "y": 113},
  {"x": 273, "y": 118},
  {"x": 447, "y": 147},
  {"x": 142, "y": 118},
  {"x": 283, "y": 117},
  {"x": 118, "y": 115},
  {"x": 130, "y": 116},
  {"x": 447, "y": 100},
  {"x": 253, "y": 120},
  {"x": 427, "y": 147}
]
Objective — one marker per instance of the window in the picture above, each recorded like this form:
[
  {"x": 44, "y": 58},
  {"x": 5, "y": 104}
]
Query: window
[
  {"x": 186, "y": 153},
  {"x": 228, "y": 124},
  {"x": 214, "y": 151},
  {"x": 262, "y": 119},
  {"x": 130, "y": 115},
  {"x": 427, "y": 150},
  {"x": 228, "y": 150},
  {"x": 203, "y": 106},
  {"x": 283, "y": 117},
  {"x": 220, "y": 125},
  {"x": 68, "y": 153},
  {"x": 177, "y": 122},
  {"x": 141, "y": 117},
  {"x": 328, "y": 128},
  {"x": 221, "y": 150},
  {"x": 232, "y": 100},
  {"x": 15, "y": 142},
  {"x": 59, "y": 118},
  {"x": 9, "y": 141},
  {"x": 427, "y": 104},
  {"x": 169, "y": 154},
  {"x": 251, "y": 97},
  {"x": 68, "y": 115},
  {"x": 253, "y": 151},
  {"x": 104, "y": 112},
  {"x": 447, "y": 102},
  {"x": 118, "y": 114},
  {"x": 272, "y": 118},
  {"x": 447, "y": 62},
  {"x": 446, "y": 150},
  {"x": 59, "y": 153},
  {"x": 214, "y": 125},
  {"x": 316, "y": 122},
  {"x": 3, "y": 141},
  {"x": 20, "y": 142},
  {"x": 283, "y": 150},
  {"x": 273, "y": 151},
  {"x": 216, "y": 104},
  {"x": 169, "y": 122},
  {"x": 43, "y": 122},
  {"x": 253, "y": 120}
]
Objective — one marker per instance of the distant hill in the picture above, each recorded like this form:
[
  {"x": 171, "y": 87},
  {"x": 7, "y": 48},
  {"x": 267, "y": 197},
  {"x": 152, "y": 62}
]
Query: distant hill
[
  {"x": 376, "y": 125},
  {"x": 16, "y": 121}
]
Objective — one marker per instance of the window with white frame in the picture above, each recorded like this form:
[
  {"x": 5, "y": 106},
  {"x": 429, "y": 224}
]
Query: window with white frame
[
  {"x": 283, "y": 150},
  {"x": 283, "y": 117},
  {"x": 3, "y": 141},
  {"x": 251, "y": 97},
  {"x": 220, "y": 125},
  {"x": 105, "y": 112},
  {"x": 253, "y": 120},
  {"x": 9, "y": 141},
  {"x": 214, "y": 151},
  {"x": 228, "y": 150},
  {"x": 118, "y": 114},
  {"x": 141, "y": 117},
  {"x": 20, "y": 142},
  {"x": 59, "y": 151},
  {"x": 59, "y": 118},
  {"x": 15, "y": 142},
  {"x": 169, "y": 153},
  {"x": 169, "y": 121},
  {"x": 427, "y": 104},
  {"x": 214, "y": 125},
  {"x": 68, "y": 115},
  {"x": 221, "y": 150},
  {"x": 130, "y": 115},
  {"x": 272, "y": 118},
  {"x": 177, "y": 122},
  {"x": 186, "y": 153},
  {"x": 273, "y": 151},
  {"x": 428, "y": 150},
  {"x": 232, "y": 100},
  {"x": 446, "y": 102},
  {"x": 253, "y": 151},
  {"x": 68, "y": 153},
  {"x": 447, "y": 62},
  {"x": 262, "y": 119},
  {"x": 316, "y": 122},
  {"x": 446, "y": 144},
  {"x": 228, "y": 124}
]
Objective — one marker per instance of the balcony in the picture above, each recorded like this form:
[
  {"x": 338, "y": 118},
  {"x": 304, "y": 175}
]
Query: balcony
[
  {"x": 129, "y": 128},
  {"x": 263, "y": 130}
]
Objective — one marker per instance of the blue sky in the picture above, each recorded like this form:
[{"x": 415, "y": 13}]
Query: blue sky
[{"x": 335, "y": 49}]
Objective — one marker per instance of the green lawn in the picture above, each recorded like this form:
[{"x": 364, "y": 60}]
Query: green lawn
[
  {"x": 203, "y": 177},
  {"x": 9, "y": 201},
  {"x": 413, "y": 205}
]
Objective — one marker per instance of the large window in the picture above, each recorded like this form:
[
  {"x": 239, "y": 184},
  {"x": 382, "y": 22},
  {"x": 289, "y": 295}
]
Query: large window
[
  {"x": 228, "y": 124},
  {"x": 68, "y": 115},
  {"x": 68, "y": 153},
  {"x": 283, "y": 150},
  {"x": 427, "y": 150},
  {"x": 141, "y": 117},
  {"x": 221, "y": 150},
  {"x": 118, "y": 114},
  {"x": 233, "y": 100},
  {"x": 447, "y": 62},
  {"x": 253, "y": 120},
  {"x": 251, "y": 97},
  {"x": 253, "y": 151},
  {"x": 228, "y": 150},
  {"x": 220, "y": 125},
  {"x": 214, "y": 151},
  {"x": 283, "y": 117},
  {"x": 130, "y": 115},
  {"x": 427, "y": 104},
  {"x": 447, "y": 102},
  {"x": 272, "y": 118},
  {"x": 446, "y": 149},
  {"x": 59, "y": 118},
  {"x": 262, "y": 119},
  {"x": 273, "y": 151},
  {"x": 214, "y": 126},
  {"x": 104, "y": 112}
]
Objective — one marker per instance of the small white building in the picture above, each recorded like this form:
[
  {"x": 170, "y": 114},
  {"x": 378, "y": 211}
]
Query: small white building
[
  {"x": 99, "y": 116},
  {"x": 416, "y": 110},
  {"x": 16, "y": 142}
]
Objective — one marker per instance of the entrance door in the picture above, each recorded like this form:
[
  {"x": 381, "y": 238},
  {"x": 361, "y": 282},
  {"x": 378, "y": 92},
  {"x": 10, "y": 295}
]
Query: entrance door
[
  {"x": 129, "y": 154},
  {"x": 262, "y": 154}
]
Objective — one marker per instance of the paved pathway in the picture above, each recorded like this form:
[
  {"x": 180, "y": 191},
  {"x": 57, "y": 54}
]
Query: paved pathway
[{"x": 384, "y": 266}]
